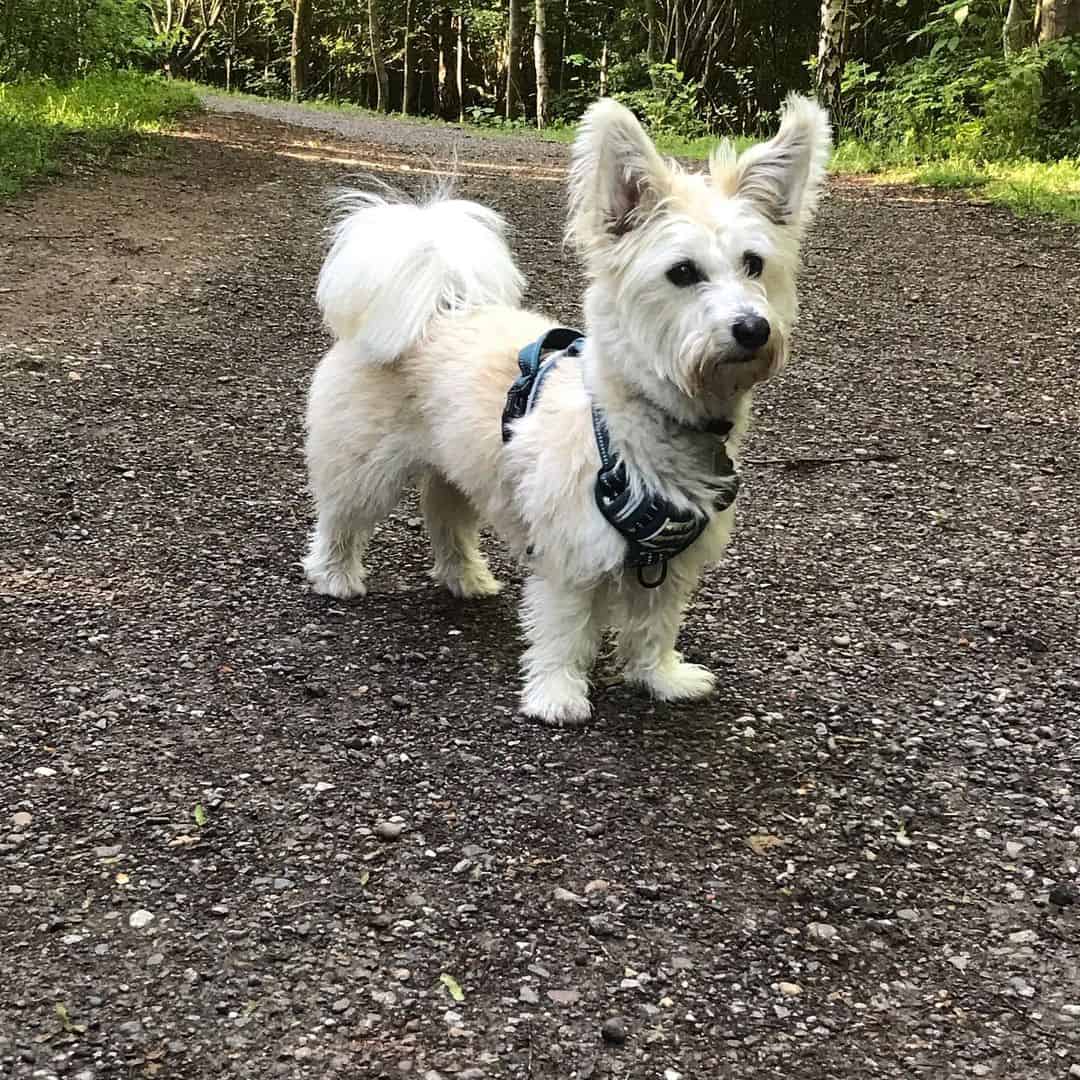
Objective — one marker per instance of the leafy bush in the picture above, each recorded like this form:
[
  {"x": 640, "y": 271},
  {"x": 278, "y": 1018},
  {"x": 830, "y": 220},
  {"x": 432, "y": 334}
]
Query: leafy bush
[
  {"x": 669, "y": 105},
  {"x": 983, "y": 107},
  {"x": 63, "y": 38}
]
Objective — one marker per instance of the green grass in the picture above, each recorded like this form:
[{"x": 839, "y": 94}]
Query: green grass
[
  {"x": 43, "y": 123},
  {"x": 1028, "y": 188}
]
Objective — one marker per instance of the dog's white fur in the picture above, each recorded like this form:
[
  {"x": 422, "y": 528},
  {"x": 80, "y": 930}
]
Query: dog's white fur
[{"x": 423, "y": 303}]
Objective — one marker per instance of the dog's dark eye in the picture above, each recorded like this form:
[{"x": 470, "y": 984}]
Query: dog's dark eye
[
  {"x": 754, "y": 264},
  {"x": 685, "y": 273}
]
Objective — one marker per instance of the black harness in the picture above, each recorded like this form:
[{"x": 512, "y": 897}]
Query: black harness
[{"x": 655, "y": 531}]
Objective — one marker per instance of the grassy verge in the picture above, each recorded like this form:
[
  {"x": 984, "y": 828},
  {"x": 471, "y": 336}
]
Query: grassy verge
[
  {"x": 1028, "y": 188},
  {"x": 41, "y": 123}
]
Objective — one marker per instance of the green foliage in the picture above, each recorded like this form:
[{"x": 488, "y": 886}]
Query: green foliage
[
  {"x": 62, "y": 38},
  {"x": 41, "y": 121},
  {"x": 982, "y": 107},
  {"x": 670, "y": 104}
]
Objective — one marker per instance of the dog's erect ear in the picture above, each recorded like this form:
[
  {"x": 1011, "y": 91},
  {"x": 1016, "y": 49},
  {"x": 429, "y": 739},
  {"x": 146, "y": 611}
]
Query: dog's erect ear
[
  {"x": 616, "y": 175},
  {"x": 783, "y": 177}
]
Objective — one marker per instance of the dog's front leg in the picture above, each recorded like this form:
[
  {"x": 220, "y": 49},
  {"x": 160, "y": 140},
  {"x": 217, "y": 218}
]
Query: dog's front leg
[
  {"x": 564, "y": 633},
  {"x": 649, "y": 627}
]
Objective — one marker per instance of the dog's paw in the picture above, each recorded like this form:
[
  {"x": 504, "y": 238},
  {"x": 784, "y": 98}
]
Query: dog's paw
[
  {"x": 558, "y": 701},
  {"x": 472, "y": 582},
  {"x": 675, "y": 681},
  {"x": 341, "y": 582}
]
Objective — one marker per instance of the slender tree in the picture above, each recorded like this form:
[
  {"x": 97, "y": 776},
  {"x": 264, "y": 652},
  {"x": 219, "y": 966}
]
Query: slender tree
[
  {"x": 449, "y": 104},
  {"x": 513, "y": 60},
  {"x": 460, "y": 71},
  {"x": 1015, "y": 28},
  {"x": 408, "y": 61},
  {"x": 299, "y": 49},
  {"x": 540, "y": 61},
  {"x": 375, "y": 33},
  {"x": 830, "y": 59},
  {"x": 1056, "y": 19}
]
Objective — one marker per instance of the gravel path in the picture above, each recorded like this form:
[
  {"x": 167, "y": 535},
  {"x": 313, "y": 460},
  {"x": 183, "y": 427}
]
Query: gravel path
[{"x": 250, "y": 832}]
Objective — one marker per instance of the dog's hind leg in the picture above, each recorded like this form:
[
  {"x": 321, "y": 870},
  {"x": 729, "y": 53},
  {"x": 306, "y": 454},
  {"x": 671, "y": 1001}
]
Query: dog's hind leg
[
  {"x": 453, "y": 527},
  {"x": 649, "y": 625},
  {"x": 352, "y": 497}
]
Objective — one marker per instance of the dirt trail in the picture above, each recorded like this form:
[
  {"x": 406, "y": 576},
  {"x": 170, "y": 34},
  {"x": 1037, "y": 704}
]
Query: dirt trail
[{"x": 842, "y": 867}]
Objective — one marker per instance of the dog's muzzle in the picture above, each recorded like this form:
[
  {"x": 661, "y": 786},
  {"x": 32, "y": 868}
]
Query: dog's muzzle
[{"x": 751, "y": 334}]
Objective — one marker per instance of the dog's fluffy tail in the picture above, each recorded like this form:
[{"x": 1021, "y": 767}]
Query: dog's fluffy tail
[{"x": 394, "y": 264}]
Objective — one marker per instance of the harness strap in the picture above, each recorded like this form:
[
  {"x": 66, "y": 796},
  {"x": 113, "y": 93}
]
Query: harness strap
[
  {"x": 531, "y": 360},
  {"x": 654, "y": 529}
]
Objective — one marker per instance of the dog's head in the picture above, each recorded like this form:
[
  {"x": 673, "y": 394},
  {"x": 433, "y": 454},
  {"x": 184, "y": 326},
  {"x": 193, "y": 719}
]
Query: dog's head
[{"x": 692, "y": 276}]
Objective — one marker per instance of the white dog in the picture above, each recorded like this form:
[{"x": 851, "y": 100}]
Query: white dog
[{"x": 691, "y": 303}]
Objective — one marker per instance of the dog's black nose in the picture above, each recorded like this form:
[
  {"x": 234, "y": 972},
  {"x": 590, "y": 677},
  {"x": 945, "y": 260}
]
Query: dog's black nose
[{"x": 751, "y": 331}]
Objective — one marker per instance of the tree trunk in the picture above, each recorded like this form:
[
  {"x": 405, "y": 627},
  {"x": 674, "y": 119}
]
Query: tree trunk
[
  {"x": 408, "y": 62},
  {"x": 652, "y": 17},
  {"x": 298, "y": 53},
  {"x": 603, "y": 67},
  {"x": 382, "y": 79},
  {"x": 562, "y": 47},
  {"x": 460, "y": 73},
  {"x": 449, "y": 106},
  {"x": 541, "y": 62},
  {"x": 830, "y": 64},
  {"x": 513, "y": 61},
  {"x": 1014, "y": 31},
  {"x": 1056, "y": 19}
]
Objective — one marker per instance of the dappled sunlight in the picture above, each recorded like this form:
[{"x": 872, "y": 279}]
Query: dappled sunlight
[{"x": 384, "y": 162}]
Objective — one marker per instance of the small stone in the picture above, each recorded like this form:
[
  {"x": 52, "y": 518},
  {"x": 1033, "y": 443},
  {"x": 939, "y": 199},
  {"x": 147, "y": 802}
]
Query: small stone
[
  {"x": 908, "y": 915},
  {"x": 1071, "y": 1010},
  {"x": 399, "y": 701},
  {"x": 137, "y": 920},
  {"x": 980, "y": 1070},
  {"x": 564, "y": 997},
  {"x": 821, "y": 933},
  {"x": 565, "y": 896},
  {"x": 597, "y": 886},
  {"x": 341, "y": 1005},
  {"x": 1013, "y": 849},
  {"x": 790, "y": 989},
  {"x": 842, "y": 640},
  {"x": 1074, "y": 1070},
  {"x": 672, "y": 1074},
  {"x": 601, "y": 926},
  {"x": 614, "y": 1031},
  {"x": 282, "y": 883},
  {"x": 44, "y": 770},
  {"x": 1063, "y": 895},
  {"x": 389, "y": 830},
  {"x": 21, "y": 820},
  {"x": 528, "y": 995},
  {"x": 1023, "y": 937}
]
